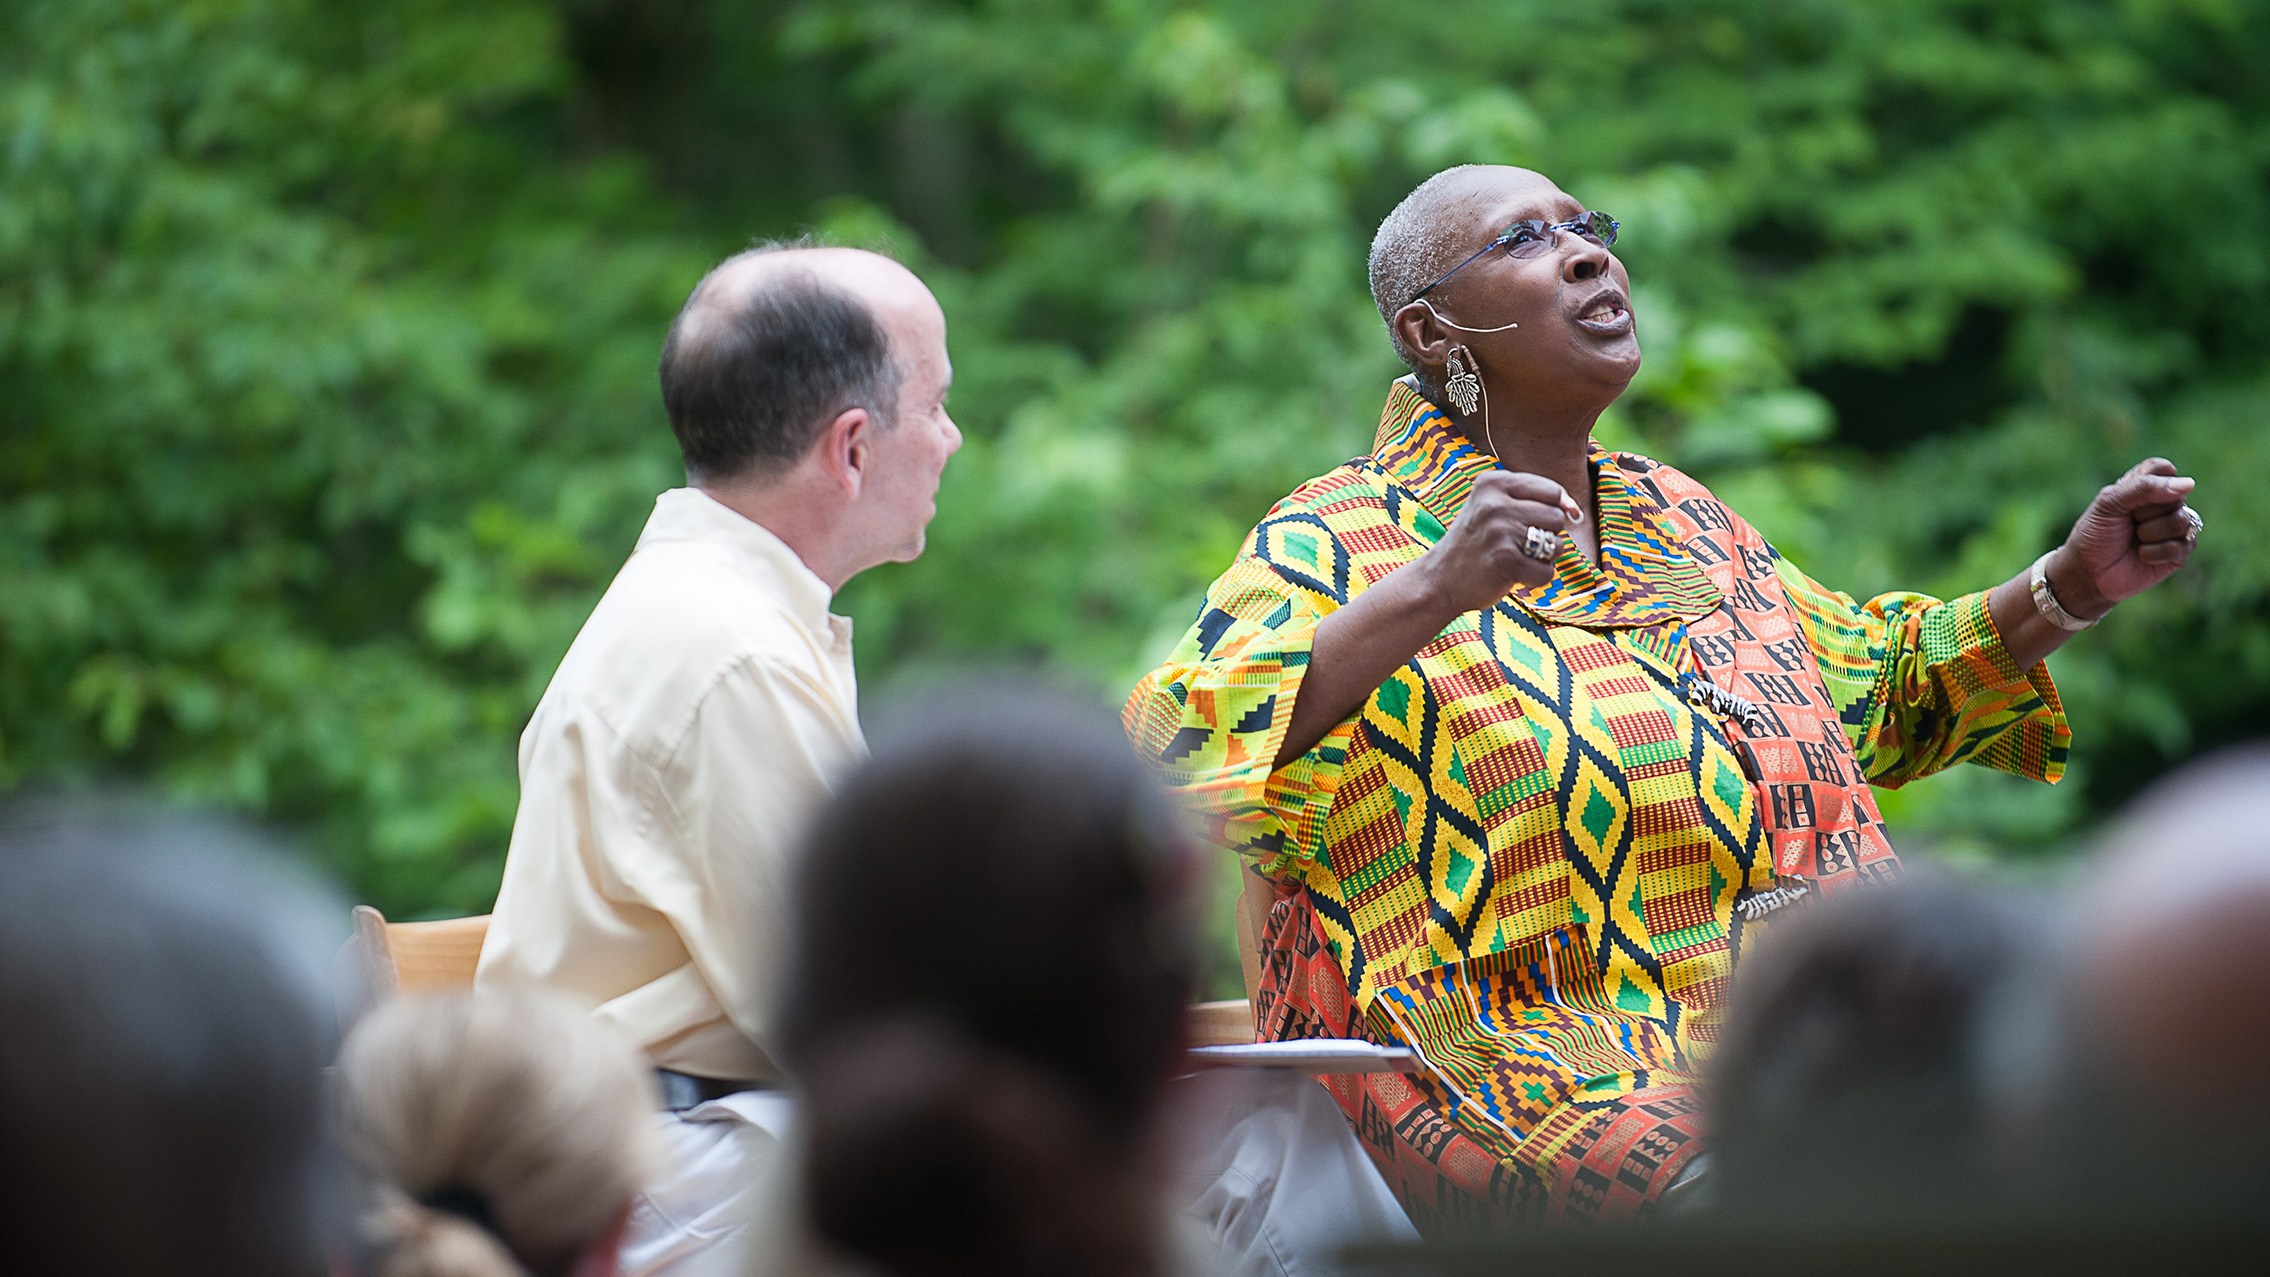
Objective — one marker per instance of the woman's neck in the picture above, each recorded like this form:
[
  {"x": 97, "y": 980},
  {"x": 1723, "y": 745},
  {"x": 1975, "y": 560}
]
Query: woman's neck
[
  {"x": 1558, "y": 449},
  {"x": 1555, "y": 446}
]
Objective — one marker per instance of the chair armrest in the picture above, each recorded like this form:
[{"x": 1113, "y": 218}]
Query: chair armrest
[
  {"x": 1221, "y": 1023},
  {"x": 1310, "y": 1055}
]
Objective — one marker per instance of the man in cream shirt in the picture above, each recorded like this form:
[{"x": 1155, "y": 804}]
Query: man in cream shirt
[{"x": 708, "y": 704}]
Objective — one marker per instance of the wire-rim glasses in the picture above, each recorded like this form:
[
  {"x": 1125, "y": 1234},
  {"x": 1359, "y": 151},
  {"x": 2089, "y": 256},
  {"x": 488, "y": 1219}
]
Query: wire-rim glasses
[{"x": 1531, "y": 236}]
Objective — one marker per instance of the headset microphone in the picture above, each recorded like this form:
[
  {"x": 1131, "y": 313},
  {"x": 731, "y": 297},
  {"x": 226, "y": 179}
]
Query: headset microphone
[{"x": 1461, "y": 327}]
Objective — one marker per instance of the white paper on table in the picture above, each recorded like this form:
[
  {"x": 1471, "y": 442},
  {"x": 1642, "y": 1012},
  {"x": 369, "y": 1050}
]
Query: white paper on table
[{"x": 1310, "y": 1055}]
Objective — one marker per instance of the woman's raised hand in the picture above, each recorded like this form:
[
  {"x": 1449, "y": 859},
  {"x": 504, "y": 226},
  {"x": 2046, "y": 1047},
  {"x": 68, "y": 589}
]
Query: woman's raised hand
[
  {"x": 2135, "y": 535},
  {"x": 1484, "y": 554},
  {"x": 1479, "y": 559}
]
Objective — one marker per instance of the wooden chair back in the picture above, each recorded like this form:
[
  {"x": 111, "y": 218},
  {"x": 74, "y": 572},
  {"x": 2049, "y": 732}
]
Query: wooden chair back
[
  {"x": 416, "y": 957},
  {"x": 1230, "y": 1023}
]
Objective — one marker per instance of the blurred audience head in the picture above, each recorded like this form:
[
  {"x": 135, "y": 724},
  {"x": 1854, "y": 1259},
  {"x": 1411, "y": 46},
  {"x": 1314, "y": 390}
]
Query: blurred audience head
[
  {"x": 500, "y": 1133},
  {"x": 2168, "y": 999},
  {"x": 164, "y": 1024},
  {"x": 1857, "y": 1079},
  {"x": 988, "y": 993},
  {"x": 2174, "y": 975}
]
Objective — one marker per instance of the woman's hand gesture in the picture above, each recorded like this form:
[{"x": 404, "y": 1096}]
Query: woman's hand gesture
[
  {"x": 1486, "y": 552},
  {"x": 1480, "y": 558},
  {"x": 2135, "y": 535}
]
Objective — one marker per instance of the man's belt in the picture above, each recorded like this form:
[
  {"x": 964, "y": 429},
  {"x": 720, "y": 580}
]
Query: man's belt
[{"x": 682, "y": 1091}]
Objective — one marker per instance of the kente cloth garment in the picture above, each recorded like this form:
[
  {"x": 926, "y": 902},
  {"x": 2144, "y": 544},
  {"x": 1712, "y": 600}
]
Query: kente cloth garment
[{"x": 1532, "y": 854}]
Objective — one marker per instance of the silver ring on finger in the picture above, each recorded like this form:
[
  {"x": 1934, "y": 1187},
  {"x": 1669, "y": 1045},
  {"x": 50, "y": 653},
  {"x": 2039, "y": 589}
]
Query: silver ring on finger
[
  {"x": 1541, "y": 545},
  {"x": 2192, "y": 523}
]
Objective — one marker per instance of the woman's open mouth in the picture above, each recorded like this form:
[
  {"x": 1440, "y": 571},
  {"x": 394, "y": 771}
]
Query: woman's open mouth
[{"x": 1608, "y": 314}]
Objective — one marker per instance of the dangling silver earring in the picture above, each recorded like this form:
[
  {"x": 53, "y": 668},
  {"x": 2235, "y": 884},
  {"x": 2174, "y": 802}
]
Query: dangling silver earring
[{"x": 1461, "y": 383}]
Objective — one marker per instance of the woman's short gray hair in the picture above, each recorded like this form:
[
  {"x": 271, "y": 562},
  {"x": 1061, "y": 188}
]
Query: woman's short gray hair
[{"x": 1415, "y": 245}]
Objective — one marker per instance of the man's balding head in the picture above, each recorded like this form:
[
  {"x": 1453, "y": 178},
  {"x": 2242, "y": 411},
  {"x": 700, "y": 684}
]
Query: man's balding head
[
  {"x": 1436, "y": 226},
  {"x": 772, "y": 345}
]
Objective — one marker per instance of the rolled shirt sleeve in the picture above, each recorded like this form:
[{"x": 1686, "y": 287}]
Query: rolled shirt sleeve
[
  {"x": 1213, "y": 718},
  {"x": 1921, "y": 685}
]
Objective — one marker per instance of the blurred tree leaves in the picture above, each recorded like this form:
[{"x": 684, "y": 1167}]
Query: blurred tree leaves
[
  {"x": 325, "y": 409},
  {"x": 326, "y": 332}
]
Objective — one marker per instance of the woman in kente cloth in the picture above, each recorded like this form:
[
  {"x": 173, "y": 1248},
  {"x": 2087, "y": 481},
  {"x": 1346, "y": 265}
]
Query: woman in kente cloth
[{"x": 1529, "y": 737}]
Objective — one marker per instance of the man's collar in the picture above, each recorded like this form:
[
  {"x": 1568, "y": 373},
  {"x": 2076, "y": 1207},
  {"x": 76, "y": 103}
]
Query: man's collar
[{"x": 689, "y": 514}]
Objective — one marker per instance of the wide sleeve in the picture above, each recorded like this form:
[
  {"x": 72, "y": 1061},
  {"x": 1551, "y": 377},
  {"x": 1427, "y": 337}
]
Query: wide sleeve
[
  {"x": 1214, "y": 716},
  {"x": 1922, "y": 684}
]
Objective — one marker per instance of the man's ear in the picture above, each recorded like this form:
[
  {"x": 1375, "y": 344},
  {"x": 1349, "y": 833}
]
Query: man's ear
[
  {"x": 844, "y": 450},
  {"x": 1421, "y": 335}
]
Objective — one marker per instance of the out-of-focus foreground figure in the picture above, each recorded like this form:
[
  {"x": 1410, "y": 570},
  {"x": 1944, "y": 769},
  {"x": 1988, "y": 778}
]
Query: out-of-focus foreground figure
[
  {"x": 2167, "y": 1113},
  {"x": 1867, "y": 1047},
  {"x": 502, "y": 1133},
  {"x": 987, "y": 992},
  {"x": 164, "y": 1024}
]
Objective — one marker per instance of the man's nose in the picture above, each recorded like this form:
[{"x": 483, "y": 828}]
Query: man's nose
[
  {"x": 953, "y": 437},
  {"x": 1582, "y": 257}
]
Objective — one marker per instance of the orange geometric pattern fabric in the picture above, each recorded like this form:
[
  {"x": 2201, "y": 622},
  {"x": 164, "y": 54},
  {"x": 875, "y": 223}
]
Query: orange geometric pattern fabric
[{"x": 1541, "y": 1099}]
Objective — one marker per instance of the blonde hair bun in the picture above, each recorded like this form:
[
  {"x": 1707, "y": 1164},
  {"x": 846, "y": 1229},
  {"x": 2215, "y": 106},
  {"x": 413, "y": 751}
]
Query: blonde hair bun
[{"x": 504, "y": 1130}]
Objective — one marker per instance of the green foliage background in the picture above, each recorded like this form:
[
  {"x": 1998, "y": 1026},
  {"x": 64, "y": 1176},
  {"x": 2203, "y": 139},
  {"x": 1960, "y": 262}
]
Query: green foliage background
[{"x": 327, "y": 329}]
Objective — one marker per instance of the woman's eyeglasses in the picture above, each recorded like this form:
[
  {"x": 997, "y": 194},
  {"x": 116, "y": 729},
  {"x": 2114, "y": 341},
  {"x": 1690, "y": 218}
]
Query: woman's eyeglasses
[{"x": 1530, "y": 237}]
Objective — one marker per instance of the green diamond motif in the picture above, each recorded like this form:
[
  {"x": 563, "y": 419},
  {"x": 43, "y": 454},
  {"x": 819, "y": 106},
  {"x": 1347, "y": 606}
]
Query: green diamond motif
[
  {"x": 1599, "y": 815},
  {"x": 1728, "y": 785},
  {"x": 1522, "y": 652},
  {"x": 1402, "y": 804},
  {"x": 1302, "y": 546},
  {"x": 1535, "y": 1091},
  {"x": 1461, "y": 868},
  {"x": 1458, "y": 769},
  {"x": 1394, "y": 698},
  {"x": 1717, "y": 882},
  {"x": 1426, "y": 525},
  {"x": 1629, "y": 996}
]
